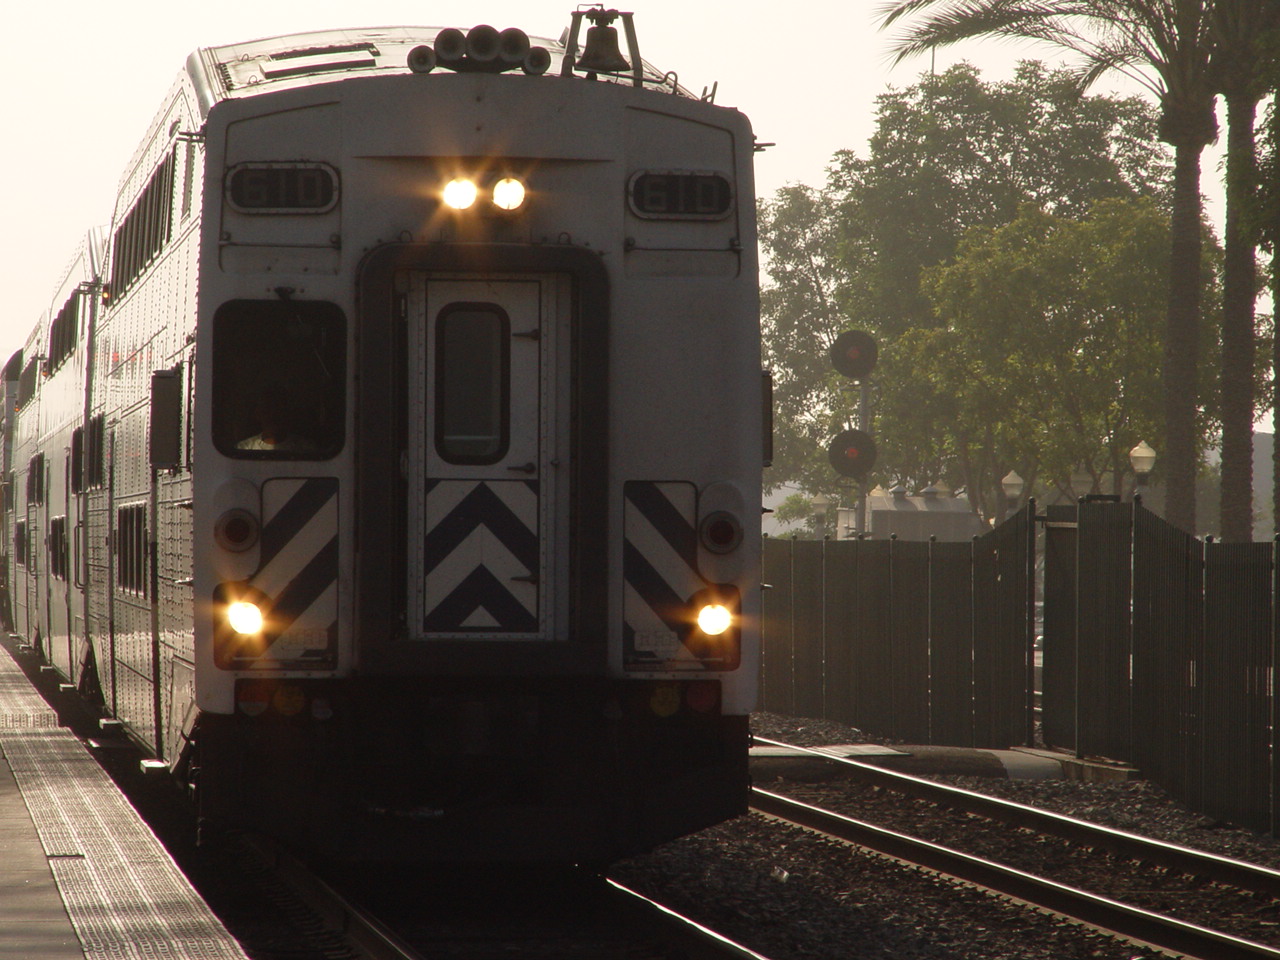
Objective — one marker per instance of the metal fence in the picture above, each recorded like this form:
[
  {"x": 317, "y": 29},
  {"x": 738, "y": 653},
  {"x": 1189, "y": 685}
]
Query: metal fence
[
  {"x": 1159, "y": 650},
  {"x": 928, "y": 643}
]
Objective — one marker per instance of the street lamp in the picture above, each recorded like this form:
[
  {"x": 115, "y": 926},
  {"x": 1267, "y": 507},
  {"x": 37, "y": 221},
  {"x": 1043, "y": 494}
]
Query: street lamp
[
  {"x": 1012, "y": 484},
  {"x": 820, "y": 503},
  {"x": 1142, "y": 458}
]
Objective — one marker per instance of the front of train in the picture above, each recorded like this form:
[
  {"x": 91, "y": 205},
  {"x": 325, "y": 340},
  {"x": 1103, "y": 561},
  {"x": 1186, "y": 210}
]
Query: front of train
[{"x": 478, "y": 430}]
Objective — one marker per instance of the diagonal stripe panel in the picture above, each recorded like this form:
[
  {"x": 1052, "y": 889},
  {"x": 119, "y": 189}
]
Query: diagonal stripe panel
[
  {"x": 298, "y": 571},
  {"x": 659, "y": 567},
  {"x": 673, "y": 520},
  {"x": 288, "y": 507}
]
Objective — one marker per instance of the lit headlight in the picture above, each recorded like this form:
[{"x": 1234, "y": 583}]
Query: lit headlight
[
  {"x": 508, "y": 194},
  {"x": 459, "y": 194},
  {"x": 245, "y": 617},
  {"x": 714, "y": 619}
]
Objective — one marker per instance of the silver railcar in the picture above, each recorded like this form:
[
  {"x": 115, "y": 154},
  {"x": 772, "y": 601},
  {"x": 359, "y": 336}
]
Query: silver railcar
[{"x": 390, "y": 466}]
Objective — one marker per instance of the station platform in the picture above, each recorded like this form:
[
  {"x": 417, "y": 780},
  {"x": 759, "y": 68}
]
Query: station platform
[{"x": 82, "y": 877}]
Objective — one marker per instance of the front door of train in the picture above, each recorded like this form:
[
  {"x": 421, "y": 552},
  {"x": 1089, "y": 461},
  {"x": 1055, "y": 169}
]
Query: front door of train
[{"x": 486, "y": 450}]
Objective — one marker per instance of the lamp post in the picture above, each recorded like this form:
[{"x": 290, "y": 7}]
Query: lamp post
[
  {"x": 820, "y": 503},
  {"x": 1012, "y": 485},
  {"x": 1142, "y": 458}
]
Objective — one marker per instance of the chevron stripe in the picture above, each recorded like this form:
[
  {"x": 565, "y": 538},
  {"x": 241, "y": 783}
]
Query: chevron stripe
[
  {"x": 480, "y": 590},
  {"x": 298, "y": 569},
  {"x": 659, "y": 569},
  {"x": 481, "y": 536}
]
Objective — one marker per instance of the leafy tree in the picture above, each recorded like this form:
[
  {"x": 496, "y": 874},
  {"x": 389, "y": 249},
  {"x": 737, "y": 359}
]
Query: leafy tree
[
  {"x": 1164, "y": 44},
  {"x": 801, "y": 316},
  {"x": 1048, "y": 355},
  {"x": 954, "y": 152},
  {"x": 949, "y": 152}
]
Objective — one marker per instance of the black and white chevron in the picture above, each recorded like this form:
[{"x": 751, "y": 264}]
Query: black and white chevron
[
  {"x": 298, "y": 569},
  {"x": 660, "y": 570},
  {"x": 481, "y": 557}
]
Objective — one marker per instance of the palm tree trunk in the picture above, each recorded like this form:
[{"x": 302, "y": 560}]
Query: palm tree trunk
[
  {"x": 1182, "y": 334},
  {"x": 1239, "y": 288}
]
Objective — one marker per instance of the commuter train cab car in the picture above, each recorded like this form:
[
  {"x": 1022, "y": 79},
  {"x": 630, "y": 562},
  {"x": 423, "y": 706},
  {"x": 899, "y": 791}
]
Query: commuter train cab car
[{"x": 390, "y": 464}]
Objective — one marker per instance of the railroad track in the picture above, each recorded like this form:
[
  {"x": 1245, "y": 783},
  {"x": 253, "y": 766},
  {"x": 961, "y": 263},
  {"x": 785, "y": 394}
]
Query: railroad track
[
  {"x": 1136, "y": 923},
  {"x": 566, "y": 917}
]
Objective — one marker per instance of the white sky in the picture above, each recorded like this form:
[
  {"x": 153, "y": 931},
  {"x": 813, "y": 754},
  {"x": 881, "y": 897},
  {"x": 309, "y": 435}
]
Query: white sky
[{"x": 80, "y": 81}]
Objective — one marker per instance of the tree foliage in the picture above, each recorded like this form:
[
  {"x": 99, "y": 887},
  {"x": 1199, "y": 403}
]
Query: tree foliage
[
  {"x": 1047, "y": 357},
  {"x": 1165, "y": 45},
  {"x": 950, "y": 153},
  {"x": 954, "y": 152}
]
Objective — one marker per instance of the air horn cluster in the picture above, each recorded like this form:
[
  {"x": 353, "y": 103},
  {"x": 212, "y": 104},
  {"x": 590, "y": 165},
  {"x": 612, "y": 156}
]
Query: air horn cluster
[{"x": 482, "y": 49}]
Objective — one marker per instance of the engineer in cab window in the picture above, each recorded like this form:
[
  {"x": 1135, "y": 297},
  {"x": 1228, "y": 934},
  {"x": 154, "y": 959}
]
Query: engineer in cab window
[
  {"x": 289, "y": 418},
  {"x": 279, "y": 380}
]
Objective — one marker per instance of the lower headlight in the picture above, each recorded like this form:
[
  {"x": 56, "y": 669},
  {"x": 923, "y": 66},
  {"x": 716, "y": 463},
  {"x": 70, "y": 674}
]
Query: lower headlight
[
  {"x": 714, "y": 619},
  {"x": 244, "y": 617}
]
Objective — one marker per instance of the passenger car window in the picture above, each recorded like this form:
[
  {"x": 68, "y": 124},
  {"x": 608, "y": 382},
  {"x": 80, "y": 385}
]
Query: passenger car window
[
  {"x": 473, "y": 377},
  {"x": 279, "y": 379}
]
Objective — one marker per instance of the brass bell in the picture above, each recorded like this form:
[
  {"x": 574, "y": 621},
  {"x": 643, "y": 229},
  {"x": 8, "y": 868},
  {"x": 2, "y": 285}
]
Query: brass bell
[{"x": 601, "y": 54}]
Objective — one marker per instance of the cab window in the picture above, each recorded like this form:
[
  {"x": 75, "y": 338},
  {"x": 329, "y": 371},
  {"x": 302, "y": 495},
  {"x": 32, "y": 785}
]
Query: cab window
[{"x": 279, "y": 379}]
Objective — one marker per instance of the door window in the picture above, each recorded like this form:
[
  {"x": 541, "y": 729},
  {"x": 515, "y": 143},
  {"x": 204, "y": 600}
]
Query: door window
[{"x": 473, "y": 377}]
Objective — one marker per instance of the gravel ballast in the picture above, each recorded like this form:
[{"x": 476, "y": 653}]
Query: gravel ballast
[{"x": 788, "y": 893}]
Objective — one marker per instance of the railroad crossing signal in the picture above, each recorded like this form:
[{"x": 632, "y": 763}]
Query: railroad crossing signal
[
  {"x": 852, "y": 453},
  {"x": 854, "y": 354}
]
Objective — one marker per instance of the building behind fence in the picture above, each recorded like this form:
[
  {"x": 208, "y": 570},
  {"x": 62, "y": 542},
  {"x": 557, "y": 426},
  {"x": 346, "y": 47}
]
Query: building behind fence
[{"x": 1159, "y": 649}]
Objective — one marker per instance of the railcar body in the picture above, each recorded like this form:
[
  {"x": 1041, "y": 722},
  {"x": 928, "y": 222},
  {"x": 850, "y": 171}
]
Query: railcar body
[{"x": 384, "y": 520}]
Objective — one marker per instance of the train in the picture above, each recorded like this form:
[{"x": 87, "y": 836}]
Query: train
[{"x": 389, "y": 466}]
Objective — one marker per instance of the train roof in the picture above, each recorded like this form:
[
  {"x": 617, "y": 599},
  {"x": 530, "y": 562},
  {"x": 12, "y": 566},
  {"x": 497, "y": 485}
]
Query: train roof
[{"x": 301, "y": 59}]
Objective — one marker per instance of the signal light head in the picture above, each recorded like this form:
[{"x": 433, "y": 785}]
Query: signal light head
[
  {"x": 854, "y": 354},
  {"x": 852, "y": 453}
]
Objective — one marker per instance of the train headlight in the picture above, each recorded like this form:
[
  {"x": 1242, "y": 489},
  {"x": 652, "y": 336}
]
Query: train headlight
[
  {"x": 508, "y": 194},
  {"x": 460, "y": 194},
  {"x": 245, "y": 617},
  {"x": 714, "y": 619},
  {"x": 714, "y": 631}
]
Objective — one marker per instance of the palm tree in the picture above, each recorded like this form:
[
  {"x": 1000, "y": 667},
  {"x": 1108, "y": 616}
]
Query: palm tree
[
  {"x": 1239, "y": 65},
  {"x": 1165, "y": 46}
]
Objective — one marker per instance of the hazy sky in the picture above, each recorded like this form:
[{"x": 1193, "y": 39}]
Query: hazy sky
[{"x": 80, "y": 82}]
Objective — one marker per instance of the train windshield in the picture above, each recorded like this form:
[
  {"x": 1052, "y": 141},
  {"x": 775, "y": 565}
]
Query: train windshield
[{"x": 279, "y": 379}]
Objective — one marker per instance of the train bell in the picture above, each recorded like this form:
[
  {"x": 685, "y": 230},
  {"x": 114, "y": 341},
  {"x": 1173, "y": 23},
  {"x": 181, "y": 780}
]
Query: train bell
[{"x": 601, "y": 54}]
